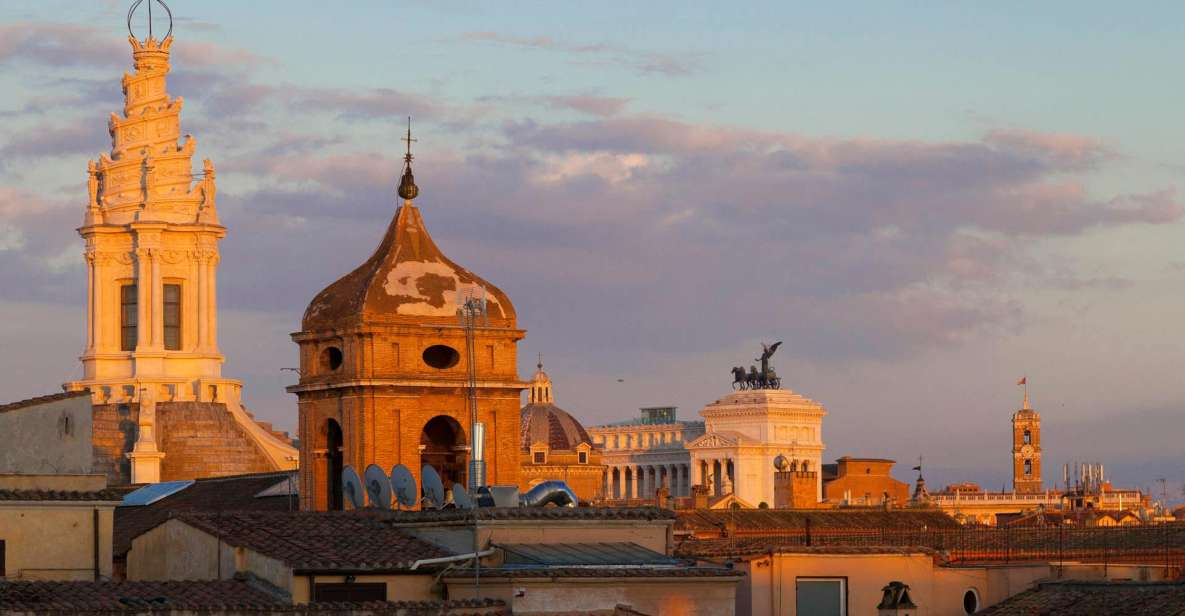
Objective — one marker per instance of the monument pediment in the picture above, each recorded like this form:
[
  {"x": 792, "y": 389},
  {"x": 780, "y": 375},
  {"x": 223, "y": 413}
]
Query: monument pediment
[{"x": 717, "y": 439}]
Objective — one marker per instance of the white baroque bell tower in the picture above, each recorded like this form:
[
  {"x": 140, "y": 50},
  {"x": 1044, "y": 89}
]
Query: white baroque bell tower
[{"x": 151, "y": 234}]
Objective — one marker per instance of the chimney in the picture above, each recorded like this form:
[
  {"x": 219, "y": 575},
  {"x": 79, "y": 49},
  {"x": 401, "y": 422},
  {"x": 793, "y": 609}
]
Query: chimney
[
  {"x": 896, "y": 601},
  {"x": 699, "y": 497}
]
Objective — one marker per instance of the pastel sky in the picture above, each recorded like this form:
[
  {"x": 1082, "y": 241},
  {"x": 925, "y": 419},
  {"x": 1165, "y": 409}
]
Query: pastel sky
[{"x": 925, "y": 201}]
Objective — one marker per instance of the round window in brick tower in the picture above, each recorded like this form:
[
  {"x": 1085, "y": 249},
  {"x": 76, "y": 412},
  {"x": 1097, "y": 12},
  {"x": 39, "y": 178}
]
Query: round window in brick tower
[
  {"x": 331, "y": 358},
  {"x": 441, "y": 356}
]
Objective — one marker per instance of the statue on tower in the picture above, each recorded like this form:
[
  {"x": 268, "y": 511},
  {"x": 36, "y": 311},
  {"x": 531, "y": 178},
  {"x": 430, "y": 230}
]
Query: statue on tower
[{"x": 767, "y": 378}]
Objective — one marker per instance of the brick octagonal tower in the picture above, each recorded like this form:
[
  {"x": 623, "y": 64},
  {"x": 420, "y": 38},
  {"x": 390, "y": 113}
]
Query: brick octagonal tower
[{"x": 383, "y": 370}]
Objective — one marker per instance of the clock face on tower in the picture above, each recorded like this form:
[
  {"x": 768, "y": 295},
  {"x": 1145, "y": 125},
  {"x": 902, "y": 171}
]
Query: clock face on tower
[{"x": 1027, "y": 450}]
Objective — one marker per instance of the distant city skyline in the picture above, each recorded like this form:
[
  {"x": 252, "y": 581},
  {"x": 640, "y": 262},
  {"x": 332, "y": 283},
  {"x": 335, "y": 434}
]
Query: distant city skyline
[{"x": 925, "y": 204}]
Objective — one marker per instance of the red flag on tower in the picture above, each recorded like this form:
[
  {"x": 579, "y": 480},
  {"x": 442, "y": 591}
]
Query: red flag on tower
[{"x": 1023, "y": 380}]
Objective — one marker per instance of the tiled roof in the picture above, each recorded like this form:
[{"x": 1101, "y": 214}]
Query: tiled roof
[
  {"x": 319, "y": 541},
  {"x": 548, "y": 423},
  {"x": 119, "y": 596},
  {"x": 758, "y": 521},
  {"x": 112, "y": 496},
  {"x": 20, "y": 404},
  {"x": 1066, "y": 598},
  {"x": 742, "y": 547},
  {"x": 534, "y": 513},
  {"x": 236, "y": 493},
  {"x": 231, "y": 596},
  {"x": 602, "y": 572}
]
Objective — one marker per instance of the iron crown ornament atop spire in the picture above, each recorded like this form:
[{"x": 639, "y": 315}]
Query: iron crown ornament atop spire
[
  {"x": 407, "y": 184},
  {"x": 132, "y": 13}
]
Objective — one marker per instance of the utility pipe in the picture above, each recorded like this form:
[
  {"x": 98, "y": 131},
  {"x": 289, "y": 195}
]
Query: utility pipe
[{"x": 451, "y": 559}]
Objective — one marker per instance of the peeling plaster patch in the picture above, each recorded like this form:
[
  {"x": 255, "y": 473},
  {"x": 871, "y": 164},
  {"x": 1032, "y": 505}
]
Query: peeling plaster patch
[{"x": 428, "y": 288}]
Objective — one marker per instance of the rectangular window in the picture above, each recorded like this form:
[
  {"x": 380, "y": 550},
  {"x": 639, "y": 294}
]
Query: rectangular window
[
  {"x": 539, "y": 457},
  {"x": 822, "y": 596},
  {"x": 172, "y": 317},
  {"x": 127, "y": 317},
  {"x": 1028, "y": 468},
  {"x": 353, "y": 593},
  {"x": 582, "y": 457},
  {"x": 1028, "y": 437}
]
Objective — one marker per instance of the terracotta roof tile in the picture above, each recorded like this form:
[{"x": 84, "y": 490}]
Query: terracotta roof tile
[
  {"x": 113, "y": 496},
  {"x": 1066, "y": 598},
  {"x": 603, "y": 572},
  {"x": 235, "y": 493},
  {"x": 772, "y": 521},
  {"x": 232, "y": 596},
  {"x": 319, "y": 541},
  {"x": 550, "y": 424},
  {"x": 533, "y": 513},
  {"x": 743, "y": 547},
  {"x": 20, "y": 404}
]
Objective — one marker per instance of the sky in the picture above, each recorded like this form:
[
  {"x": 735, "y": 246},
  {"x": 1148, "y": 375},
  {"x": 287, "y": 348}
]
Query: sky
[{"x": 924, "y": 201}]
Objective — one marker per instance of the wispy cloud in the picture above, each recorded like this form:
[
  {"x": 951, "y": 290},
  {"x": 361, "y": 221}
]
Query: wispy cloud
[{"x": 646, "y": 62}]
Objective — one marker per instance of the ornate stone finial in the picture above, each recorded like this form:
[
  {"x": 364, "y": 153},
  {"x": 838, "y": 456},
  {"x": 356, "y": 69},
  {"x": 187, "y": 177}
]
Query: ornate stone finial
[{"x": 407, "y": 185}]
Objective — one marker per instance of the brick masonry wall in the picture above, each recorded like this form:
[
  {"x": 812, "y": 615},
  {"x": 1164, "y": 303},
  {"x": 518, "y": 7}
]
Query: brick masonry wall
[{"x": 200, "y": 439}]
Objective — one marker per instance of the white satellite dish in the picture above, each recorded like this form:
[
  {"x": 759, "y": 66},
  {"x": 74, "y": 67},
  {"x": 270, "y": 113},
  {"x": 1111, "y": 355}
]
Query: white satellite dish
[
  {"x": 461, "y": 497},
  {"x": 432, "y": 487},
  {"x": 404, "y": 483},
  {"x": 352, "y": 491},
  {"x": 378, "y": 487}
]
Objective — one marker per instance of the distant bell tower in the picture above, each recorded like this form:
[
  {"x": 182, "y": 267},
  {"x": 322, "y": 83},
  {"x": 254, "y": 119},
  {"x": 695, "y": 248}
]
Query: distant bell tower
[{"x": 1026, "y": 447}]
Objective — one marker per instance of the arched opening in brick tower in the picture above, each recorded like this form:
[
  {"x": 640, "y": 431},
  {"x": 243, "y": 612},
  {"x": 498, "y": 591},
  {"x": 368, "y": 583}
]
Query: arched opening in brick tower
[
  {"x": 445, "y": 448},
  {"x": 333, "y": 454}
]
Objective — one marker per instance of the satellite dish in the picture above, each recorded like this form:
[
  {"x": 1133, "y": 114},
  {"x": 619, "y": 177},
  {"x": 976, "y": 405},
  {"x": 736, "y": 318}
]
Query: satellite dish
[
  {"x": 352, "y": 491},
  {"x": 378, "y": 487},
  {"x": 781, "y": 463},
  {"x": 406, "y": 493},
  {"x": 431, "y": 485},
  {"x": 461, "y": 497}
]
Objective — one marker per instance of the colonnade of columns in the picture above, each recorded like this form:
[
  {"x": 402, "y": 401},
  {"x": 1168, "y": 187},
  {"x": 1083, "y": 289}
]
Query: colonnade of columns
[
  {"x": 718, "y": 474},
  {"x": 643, "y": 480}
]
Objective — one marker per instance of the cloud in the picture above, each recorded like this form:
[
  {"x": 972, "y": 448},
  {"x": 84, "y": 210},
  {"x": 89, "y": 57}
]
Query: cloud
[
  {"x": 59, "y": 44},
  {"x": 590, "y": 104},
  {"x": 644, "y": 62}
]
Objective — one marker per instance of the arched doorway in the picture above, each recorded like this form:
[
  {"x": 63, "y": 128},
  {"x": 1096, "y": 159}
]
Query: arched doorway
[
  {"x": 444, "y": 447},
  {"x": 333, "y": 455}
]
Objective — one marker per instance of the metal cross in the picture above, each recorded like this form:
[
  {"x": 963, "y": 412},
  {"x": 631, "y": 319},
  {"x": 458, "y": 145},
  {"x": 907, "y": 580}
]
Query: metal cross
[{"x": 409, "y": 139}]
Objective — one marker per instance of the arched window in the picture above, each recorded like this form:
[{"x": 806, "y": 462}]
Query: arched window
[{"x": 1028, "y": 438}]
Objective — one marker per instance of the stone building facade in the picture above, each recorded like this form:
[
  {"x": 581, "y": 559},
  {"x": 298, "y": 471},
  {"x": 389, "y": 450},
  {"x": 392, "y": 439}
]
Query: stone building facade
[
  {"x": 746, "y": 431},
  {"x": 863, "y": 481},
  {"x": 645, "y": 454},
  {"x": 384, "y": 367},
  {"x": 556, "y": 446},
  {"x": 151, "y": 234}
]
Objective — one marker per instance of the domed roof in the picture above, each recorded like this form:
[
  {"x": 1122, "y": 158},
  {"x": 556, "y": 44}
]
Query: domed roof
[
  {"x": 406, "y": 279},
  {"x": 548, "y": 423},
  {"x": 541, "y": 421}
]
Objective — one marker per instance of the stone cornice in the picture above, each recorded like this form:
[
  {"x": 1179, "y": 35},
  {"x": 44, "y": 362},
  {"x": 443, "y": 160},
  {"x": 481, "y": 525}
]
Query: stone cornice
[
  {"x": 670, "y": 427},
  {"x": 433, "y": 383}
]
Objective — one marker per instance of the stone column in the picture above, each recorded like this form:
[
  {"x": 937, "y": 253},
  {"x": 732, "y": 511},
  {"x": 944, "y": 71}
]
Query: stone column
[
  {"x": 90, "y": 302},
  {"x": 212, "y": 293},
  {"x": 158, "y": 302},
  {"x": 143, "y": 281},
  {"x": 99, "y": 314},
  {"x": 203, "y": 320}
]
